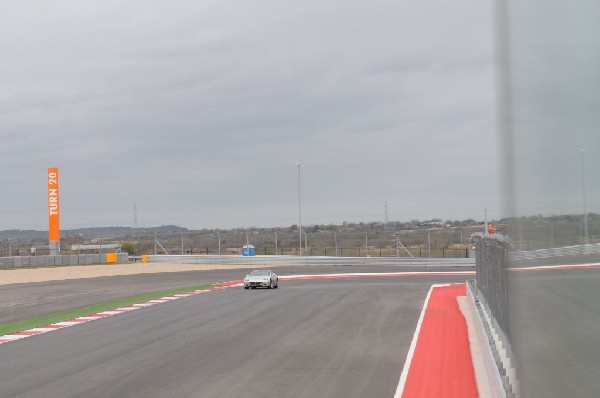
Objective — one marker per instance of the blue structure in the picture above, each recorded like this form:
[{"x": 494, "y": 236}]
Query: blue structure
[{"x": 248, "y": 250}]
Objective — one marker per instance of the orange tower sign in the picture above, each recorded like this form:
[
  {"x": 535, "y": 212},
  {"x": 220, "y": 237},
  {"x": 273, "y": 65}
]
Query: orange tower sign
[{"x": 53, "y": 211}]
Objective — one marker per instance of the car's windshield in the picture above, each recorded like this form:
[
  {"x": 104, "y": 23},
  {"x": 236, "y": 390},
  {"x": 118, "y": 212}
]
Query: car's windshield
[{"x": 259, "y": 273}]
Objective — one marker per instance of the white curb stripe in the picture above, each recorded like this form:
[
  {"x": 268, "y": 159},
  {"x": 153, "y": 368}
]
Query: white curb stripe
[
  {"x": 67, "y": 323},
  {"x": 14, "y": 337}
]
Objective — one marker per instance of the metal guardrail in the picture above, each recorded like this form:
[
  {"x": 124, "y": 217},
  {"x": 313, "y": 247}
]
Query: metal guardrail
[
  {"x": 577, "y": 250},
  {"x": 311, "y": 260},
  {"x": 43, "y": 261}
]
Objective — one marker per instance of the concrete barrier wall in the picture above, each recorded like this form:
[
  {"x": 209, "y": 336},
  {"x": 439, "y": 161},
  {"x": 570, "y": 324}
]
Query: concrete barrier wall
[
  {"x": 498, "y": 385},
  {"x": 312, "y": 260},
  {"x": 43, "y": 261}
]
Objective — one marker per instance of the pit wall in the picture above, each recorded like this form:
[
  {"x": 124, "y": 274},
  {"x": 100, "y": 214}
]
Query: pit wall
[{"x": 82, "y": 259}]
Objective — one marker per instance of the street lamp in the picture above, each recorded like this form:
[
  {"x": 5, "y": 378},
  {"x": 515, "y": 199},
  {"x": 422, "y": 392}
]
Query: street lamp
[
  {"x": 298, "y": 164},
  {"x": 585, "y": 218}
]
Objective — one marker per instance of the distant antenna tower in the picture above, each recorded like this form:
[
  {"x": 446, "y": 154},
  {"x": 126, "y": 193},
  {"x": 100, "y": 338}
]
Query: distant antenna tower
[
  {"x": 134, "y": 217},
  {"x": 134, "y": 224},
  {"x": 387, "y": 220}
]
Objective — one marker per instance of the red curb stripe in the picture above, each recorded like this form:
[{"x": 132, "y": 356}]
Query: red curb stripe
[
  {"x": 441, "y": 365},
  {"x": 230, "y": 283},
  {"x": 343, "y": 276},
  {"x": 554, "y": 267},
  {"x": 26, "y": 333}
]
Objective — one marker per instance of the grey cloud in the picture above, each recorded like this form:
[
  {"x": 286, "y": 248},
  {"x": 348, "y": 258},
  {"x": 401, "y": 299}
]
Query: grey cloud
[{"x": 198, "y": 111}]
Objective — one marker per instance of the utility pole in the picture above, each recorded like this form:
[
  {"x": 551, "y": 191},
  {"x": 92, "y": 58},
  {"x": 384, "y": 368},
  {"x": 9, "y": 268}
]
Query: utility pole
[
  {"x": 306, "y": 244},
  {"x": 428, "y": 244},
  {"x": 298, "y": 164},
  {"x": 219, "y": 238},
  {"x": 486, "y": 222},
  {"x": 387, "y": 220},
  {"x": 585, "y": 216},
  {"x": 275, "y": 243},
  {"x": 134, "y": 227},
  {"x": 366, "y": 244},
  {"x": 335, "y": 242},
  {"x": 400, "y": 245}
]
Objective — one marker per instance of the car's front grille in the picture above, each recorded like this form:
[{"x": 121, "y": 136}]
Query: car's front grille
[{"x": 255, "y": 283}]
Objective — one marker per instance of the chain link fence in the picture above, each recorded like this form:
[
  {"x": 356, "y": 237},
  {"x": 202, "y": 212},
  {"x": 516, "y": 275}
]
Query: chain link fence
[
  {"x": 439, "y": 244},
  {"x": 451, "y": 242},
  {"x": 492, "y": 278}
]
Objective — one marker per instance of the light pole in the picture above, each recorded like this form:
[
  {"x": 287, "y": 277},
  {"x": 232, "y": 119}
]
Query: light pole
[
  {"x": 428, "y": 244},
  {"x": 335, "y": 242},
  {"x": 585, "y": 218},
  {"x": 298, "y": 164}
]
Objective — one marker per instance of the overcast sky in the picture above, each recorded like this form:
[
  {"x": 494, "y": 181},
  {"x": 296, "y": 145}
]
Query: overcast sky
[
  {"x": 197, "y": 111},
  {"x": 555, "y": 83}
]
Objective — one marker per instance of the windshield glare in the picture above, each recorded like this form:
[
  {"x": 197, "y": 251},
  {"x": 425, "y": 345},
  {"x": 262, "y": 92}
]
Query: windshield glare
[{"x": 259, "y": 273}]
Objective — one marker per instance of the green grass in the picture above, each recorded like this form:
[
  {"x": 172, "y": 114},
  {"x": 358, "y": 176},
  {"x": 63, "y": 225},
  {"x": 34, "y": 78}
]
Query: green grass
[{"x": 25, "y": 324}]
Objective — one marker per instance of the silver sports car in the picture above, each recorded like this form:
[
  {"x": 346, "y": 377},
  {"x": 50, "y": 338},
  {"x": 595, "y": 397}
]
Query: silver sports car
[{"x": 261, "y": 278}]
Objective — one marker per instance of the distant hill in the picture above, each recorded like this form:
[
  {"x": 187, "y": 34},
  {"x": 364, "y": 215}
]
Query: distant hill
[{"x": 90, "y": 233}]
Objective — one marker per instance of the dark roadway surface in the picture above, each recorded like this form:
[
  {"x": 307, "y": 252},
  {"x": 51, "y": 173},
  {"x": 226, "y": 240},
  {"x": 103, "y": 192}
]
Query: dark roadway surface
[
  {"x": 313, "y": 338},
  {"x": 555, "y": 331},
  {"x": 27, "y": 300}
]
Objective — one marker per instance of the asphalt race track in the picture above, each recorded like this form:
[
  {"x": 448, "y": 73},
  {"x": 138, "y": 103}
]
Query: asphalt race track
[
  {"x": 555, "y": 319},
  {"x": 309, "y": 338},
  {"x": 27, "y": 300}
]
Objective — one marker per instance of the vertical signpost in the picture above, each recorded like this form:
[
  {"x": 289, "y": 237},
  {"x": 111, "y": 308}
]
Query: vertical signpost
[{"x": 53, "y": 212}]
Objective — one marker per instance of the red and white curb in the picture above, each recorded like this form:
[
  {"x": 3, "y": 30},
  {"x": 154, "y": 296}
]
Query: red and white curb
[
  {"x": 377, "y": 274},
  {"x": 439, "y": 361},
  {"x": 555, "y": 267},
  {"x": 104, "y": 314}
]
